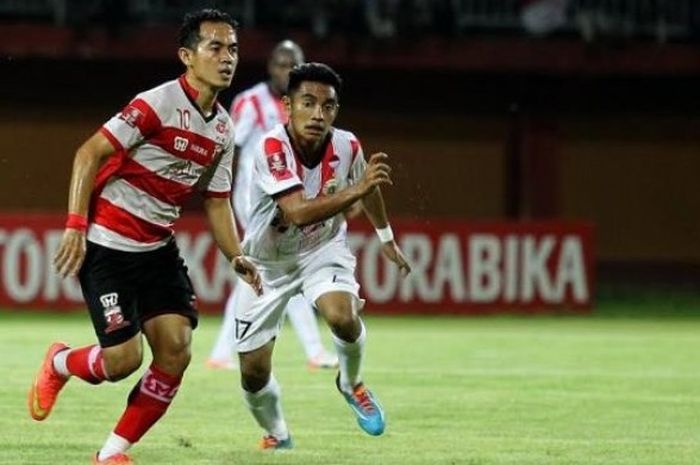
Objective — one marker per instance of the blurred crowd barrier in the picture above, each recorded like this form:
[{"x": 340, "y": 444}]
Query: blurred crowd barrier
[{"x": 661, "y": 20}]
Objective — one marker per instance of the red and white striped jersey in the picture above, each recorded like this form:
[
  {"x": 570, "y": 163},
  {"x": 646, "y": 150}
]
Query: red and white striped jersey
[
  {"x": 255, "y": 111},
  {"x": 166, "y": 149},
  {"x": 278, "y": 170}
]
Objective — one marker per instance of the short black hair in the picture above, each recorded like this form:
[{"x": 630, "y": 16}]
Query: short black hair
[
  {"x": 188, "y": 36},
  {"x": 314, "y": 72}
]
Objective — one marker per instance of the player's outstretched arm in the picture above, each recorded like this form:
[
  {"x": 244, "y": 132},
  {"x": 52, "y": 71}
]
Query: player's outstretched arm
[
  {"x": 375, "y": 210},
  {"x": 223, "y": 228},
  {"x": 302, "y": 211},
  {"x": 88, "y": 159}
]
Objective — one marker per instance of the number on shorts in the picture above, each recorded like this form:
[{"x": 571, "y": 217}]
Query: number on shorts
[{"x": 242, "y": 328}]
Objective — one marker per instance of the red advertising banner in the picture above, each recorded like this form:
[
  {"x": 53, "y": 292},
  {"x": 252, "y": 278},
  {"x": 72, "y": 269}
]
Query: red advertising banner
[{"x": 458, "y": 266}]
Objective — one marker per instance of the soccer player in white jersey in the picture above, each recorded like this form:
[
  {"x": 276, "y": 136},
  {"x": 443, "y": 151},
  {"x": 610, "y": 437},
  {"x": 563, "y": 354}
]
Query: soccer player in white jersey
[
  {"x": 256, "y": 111},
  {"x": 306, "y": 174},
  {"x": 129, "y": 182}
]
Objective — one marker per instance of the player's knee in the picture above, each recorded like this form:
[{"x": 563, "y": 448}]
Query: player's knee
[
  {"x": 174, "y": 356},
  {"x": 120, "y": 365},
  {"x": 254, "y": 376},
  {"x": 341, "y": 318}
]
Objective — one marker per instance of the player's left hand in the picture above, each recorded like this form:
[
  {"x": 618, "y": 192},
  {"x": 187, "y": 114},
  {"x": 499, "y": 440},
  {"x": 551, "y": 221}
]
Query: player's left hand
[
  {"x": 392, "y": 252},
  {"x": 248, "y": 272}
]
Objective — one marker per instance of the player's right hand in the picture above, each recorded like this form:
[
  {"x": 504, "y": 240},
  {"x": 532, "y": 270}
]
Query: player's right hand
[
  {"x": 377, "y": 173},
  {"x": 248, "y": 272},
  {"x": 70, "y": 254}
]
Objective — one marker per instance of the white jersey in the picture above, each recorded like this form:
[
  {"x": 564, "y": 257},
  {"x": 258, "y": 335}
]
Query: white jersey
[
  {"x": 166, "y": 149},
  {"x": 278, "y": 170},
  {"x": 254, "y": 111}
]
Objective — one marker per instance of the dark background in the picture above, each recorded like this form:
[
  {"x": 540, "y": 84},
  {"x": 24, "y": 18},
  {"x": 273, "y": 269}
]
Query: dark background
[{"x": 480, "y": 124}]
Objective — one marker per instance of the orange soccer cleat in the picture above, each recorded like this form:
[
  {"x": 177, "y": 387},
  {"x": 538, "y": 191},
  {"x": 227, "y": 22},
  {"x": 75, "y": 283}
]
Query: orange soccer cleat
[
  {"x": 271, "y": 443},
  {"x": 47, "y": 384},
  {"x": 116, "y": 459}
]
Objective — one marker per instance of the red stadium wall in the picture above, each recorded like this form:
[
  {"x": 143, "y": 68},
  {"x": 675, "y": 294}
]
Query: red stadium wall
[{"x": 458, "y": 267}]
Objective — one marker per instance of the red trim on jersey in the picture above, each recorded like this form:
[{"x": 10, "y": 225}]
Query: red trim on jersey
[
  {"x": 258, "y": 111},
  {"x": 281, "y": 111},
  {"x": 112, "y": 140},
  {"x": 329, "y": 163},
  {"x": 355, "y": 144},
  {"x": 144, "y": 117},
  {"x": 214, "y": 194},
  {"x": 189, "y": 90},
  {"x": 163, "y": 189},
  {"x": 122, "y": 222},
  {"x": 237, "y": 108},
  {"x": 106, "y": 171},
  {"x": 185, "y": 144}
]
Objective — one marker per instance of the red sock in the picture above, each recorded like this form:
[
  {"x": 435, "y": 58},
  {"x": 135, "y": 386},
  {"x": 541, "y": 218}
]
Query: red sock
[
  {"x": 147, "y": 402},
  {"x": 87, "y": 363}
]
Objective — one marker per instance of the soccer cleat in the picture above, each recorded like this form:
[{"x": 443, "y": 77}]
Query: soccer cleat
[
  {"x": 116, "y": 459},
  {"x": 271, "y": 443},
  {"x": 47, "y": 384},
  {"x": 219, "y": 364},
  {"x": 323, "y": 360},
  {"x": 370, "y": 415}
]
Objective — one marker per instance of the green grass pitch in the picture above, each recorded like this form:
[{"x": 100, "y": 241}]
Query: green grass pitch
[{"x": 473, "y": 391}]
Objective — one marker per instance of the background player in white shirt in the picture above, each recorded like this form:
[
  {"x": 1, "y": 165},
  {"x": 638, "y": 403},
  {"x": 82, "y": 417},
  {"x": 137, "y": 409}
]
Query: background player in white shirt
[
  {"x": 306, "y": 174},
  {"x": 128, "y": 186},
  {"x": 256, "y": 111}
]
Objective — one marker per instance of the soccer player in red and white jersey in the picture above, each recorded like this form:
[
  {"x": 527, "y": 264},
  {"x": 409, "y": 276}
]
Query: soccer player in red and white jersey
[
  {"x": 128, "y": 185},
  {"x": 307, "y": 173},
  {"x": 255, "y": 111}
]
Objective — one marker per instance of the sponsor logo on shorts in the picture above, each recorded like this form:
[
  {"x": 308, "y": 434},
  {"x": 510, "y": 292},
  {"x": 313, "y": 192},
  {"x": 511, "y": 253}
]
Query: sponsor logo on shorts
[{"x": 113, "y": 312}]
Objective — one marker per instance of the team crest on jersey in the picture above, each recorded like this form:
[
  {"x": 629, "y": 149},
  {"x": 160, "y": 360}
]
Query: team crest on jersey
[
  {"x": 113, "y": 312},
  {"x": 330, "y": 187},
  {"x": 131, "y": 115},
  {"x": 278, "y": 166},
  {"x": 221, "y": 126}
]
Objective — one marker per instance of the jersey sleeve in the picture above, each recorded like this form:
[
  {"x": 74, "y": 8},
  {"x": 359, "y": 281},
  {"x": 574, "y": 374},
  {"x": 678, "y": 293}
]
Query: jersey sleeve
[
  {"x": 222, "y": 177},
  {"x": 358, "y": 165},
  {"x": 275, "y": 167},
  {"x": 135, "y": 123},
  {"x": 245, "y": 117}
]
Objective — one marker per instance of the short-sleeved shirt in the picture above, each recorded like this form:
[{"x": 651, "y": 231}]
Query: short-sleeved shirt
[
  {"x": 278, "y": 171},
  {"x": 255, "y": 111},
  {"x": 166, "y": 149}
]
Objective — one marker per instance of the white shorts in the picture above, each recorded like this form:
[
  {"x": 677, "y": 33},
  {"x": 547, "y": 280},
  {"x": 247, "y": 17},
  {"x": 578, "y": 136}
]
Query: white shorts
[{"x": 259, "y": 318}]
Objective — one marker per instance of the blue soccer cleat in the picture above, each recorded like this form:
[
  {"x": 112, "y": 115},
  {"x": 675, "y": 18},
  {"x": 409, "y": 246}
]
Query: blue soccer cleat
[{"x": 370, "y": 415}]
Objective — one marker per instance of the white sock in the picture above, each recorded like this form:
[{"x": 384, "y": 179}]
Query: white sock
[
  {"x": 114, "y": 444},
  {"x": 303, "y": 319},
  {"x": 350, "y": 359},
  {"x": 266, "y": 407},
  {"x": 225, "y": 344},
  {"x": 60, "y": 364}
]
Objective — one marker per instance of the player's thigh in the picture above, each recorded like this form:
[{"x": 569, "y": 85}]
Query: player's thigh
[
  {"x": 259, "y": 318},
  {"x": 165, "y": 288},
  {"x": 109, "y": 293}
]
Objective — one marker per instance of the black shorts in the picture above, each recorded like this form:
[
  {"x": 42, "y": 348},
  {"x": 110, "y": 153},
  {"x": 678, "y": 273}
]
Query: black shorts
[{"x": 124, "y": 289}]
